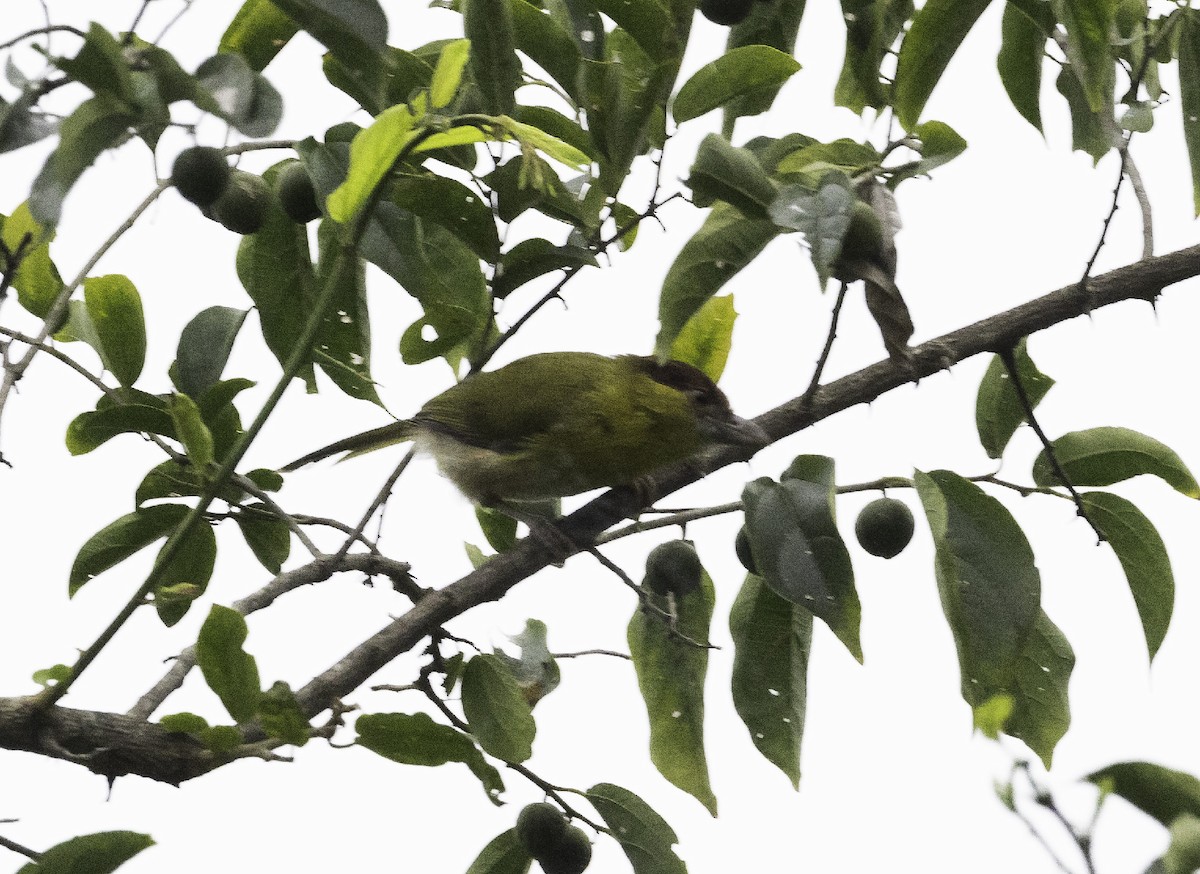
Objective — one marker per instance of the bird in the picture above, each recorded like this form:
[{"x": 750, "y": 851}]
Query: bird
[{"x": 555, "y": 424}]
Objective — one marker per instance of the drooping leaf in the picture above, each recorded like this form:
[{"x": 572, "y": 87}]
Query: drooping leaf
[
  {"x": 725, "y": 243},
  {"x": 100, "y": 65},
  {"x": 191, "y": 431},
  {"x": 823, "y": 216},
  {"x": 99, "y": 853},
  {"x": 671, "y": 676},
  {"x": 800, "y": 554},
  {"x": 229, "y": 670},
  {"x": 204, "y": 347},
  {"x": 998, "y": 409},
  {"x": 1103, "y": 456},
  {"x": 707, "y": 337},
  {"x": 120, "y": 539},
  {"x": 534, "y": 257},
  {"x": 1042, "y": 712},
  {"x": 1022, "y": 54},
  {"x": 1088, "y": 129},
  {"x": 454, "y": 206},
  {"x": 1160, "y": 792},
  {"x": 258, "y": 32},
  {"x": 1189, "y": 94},
  {"x": 497, "y": 710},
  {"x": 36, "y": 279},
  {"x": 415, "y": 739},
  {"x": 343, "y": 345},
  {"x": 350, "y": 29},
  {"x": 448, "y": 74},
  {"x": 642, "y": 833},
  {"x": 504, "y": 853},
  {"x": 740, "y": 71},
  {"x": 372, "y": 153},
  {"x": 115, "y": 309},
  {"x": 773, "y": 24},
  {"x": 185, "y": 577},
  {"x": 268, "y": 537},
  {"x": 230, "y": 89},
  {"x": 1088, "y": 24},
  {"x": 1143, "y": 557},
  {"x": 871, "y": 33},
  {"x": 989, "y": 585},
  {"x": 937, "y": 31},
  {"x": 547, "y": 43},
  {"x": 724, "y": 172},
  {"x": 649, "y": 23},
  {"x": 488, "y": 24},
  {"x": 772, "y": 639}
]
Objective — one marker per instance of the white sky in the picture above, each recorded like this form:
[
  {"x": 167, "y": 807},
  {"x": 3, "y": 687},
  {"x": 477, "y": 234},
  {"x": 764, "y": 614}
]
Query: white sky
[{"x": 892, "y": 774}]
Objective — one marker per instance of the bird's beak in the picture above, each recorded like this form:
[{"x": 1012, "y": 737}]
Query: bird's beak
[{"x": 738, "y": 432}]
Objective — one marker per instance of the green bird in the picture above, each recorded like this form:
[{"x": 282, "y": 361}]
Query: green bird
[{"x": 561, "y": 423}]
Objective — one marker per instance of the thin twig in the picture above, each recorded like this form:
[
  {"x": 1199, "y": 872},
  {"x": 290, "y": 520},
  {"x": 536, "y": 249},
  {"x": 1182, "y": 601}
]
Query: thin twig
[
  {"x": 815, "y": 382},
  {"x": 380, "y": 499}
]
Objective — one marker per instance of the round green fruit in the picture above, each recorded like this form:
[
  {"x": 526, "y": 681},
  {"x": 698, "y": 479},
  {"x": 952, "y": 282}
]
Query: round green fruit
[
  {"x": 243, "y": 205},
  {"x": 725, "y": 12},
  {"x": 884, "y": 527},
  {"x": 570, "y": 855},
  {"x": 200, "y": 174},
  {"x": 540, "y": 828},
  {"x": 297, "y": 195},
  {"x": 742, "y": 547},
  {"x": 673, "y": 568}
]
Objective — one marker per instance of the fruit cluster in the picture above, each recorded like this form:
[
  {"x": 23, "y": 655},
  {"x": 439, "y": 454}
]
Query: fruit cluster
[
  {"x": 239, "y": 200},
  {"x": 558, "y": 847}
]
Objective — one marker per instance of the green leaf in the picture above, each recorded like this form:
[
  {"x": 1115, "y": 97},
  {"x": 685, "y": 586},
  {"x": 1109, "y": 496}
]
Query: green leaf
[
  {"x": 648, "y": 22},
  {"x": 185, "y": 577},
  {"x": 536, "y": 671},
  {"x": 937, "y": 31},
  {"x": 120, "y": 539},
  {"x": 548, "y": 44},
  {"x": 204, "y": 347},
  {"x": 447, "y": 75},
  {"x": 998, "y": 410},
  {"x": 504, "y": 853},
  {"x": 415, "y": 739},
  {"x": 725, "y": 243},
  {"x": 488, "y": 24},
  {"x": 36, "y": 279},
  {"x": 1143, "y": 557},
  {"x": 1189, "y": 94},
  {"x": 707, "y": 337},
  {"x": 191, "y": 431},
  {"x": 740, "y": 71},
  {"x": 172, "y": 480},
  {"x": 20, "y": 124},
  {"x": 800, "y": 554},
  {"x": 228, "y": 88},
  {"x": 1163, "y": 793},
  {"x": 52, "y": 676},
  {"x": 281, "y": 715},
  {"x": 496, "y": 710},
  {"x": 1088, "y": 133},
  {"x": 88, "y": 431},
  {"x": 871, "y": 32},
  {"x": 1022, "y": 54},
  {"x": 813, "y": 161},
  {"x": 555, "y": 124},
  {"x": 115, "y": 309},
  {"x": 100, "y": 65},
  {"x": 257, "y": 33},
  {"x": 372, "y": 153},
  {"x": 938, "y": 144},
  {"x": 822, "y": 216},
  {"x": 1103, "y": 456},
  {"x": 988, "y": 582},
  {"x": 268, "y": 537},
  {"x": 499, "y": 529},
  {"x": 184, "y": 723},
  {"x": 991, "y": 716},
  {"x": 536, "y": 257},
  {"x": 1088, "y": 24},
  {"x": 350, "y": 29},
  {"x": 642, "y": 833},
  {"x": 773, "y": 24},
  {"x": 723, "y": 172},
  {"x": 343, "y": 346},
  {"x": 1042, "y": 712},
  {"x": 772, "y": 639},
  {"x": 1183, "y": 853},
  {"x": 99, "y": 123},
  {"x": 98, "y": 853},
  {"x": 671, "y": 674},
  {"x": 229, "y": 670}
]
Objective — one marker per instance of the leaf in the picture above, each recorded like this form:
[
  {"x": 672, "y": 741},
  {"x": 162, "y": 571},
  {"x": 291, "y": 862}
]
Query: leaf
[
  {"x": 1022, "y": 54},
  {"x": 98, "y": 853},
  {"x": 707, "y": 337},
  {"x": 257, "y": 33},
  {"x": 740, "y": 71},
  {"x": 1088, "y": 24},
  {"x": 800, "y": 554},
  {"x": 115, "y": 310},
  {"x": 671, "y": 674},
  {"x": 648, "y": 22},
  {"x": 281, "y": 715},
  {"x": 871, "y": 32},
  {"x": 88, "y": 431},
  {"x": 373, "y": 153},
  {"x": 822, "y": 216},
  {"x": 1103, "y": 456},
  {"x": 1189, "y": 94},
  {"x": 496, "y": 710},
  {"x": 536, "y": 257},
  {"x": 120, "y": 539},
  {"x": 191, "y": 431},
  {"x": 504, "y": 853},
  {"x": 452, "y": 205},
  {"x": 204, "y": 347},
  {"x": 448, "y": 74},
  {"x": 1143, "y": 557},
  {"x": 998, "y": 410},
  {"x": 99, "y": 123},
  {"x": 36, "y": 279},
  {"x": 989, "y": 585},
  {"x": 268, "y": 537},
  {"x": 1088, "y": 132},
  {"x": 546, "y": 42},
  {"x": 343, "y": 345},
  {"x": 768, "y": 24},
  {"x": 186, "y": 576},
  {"x": 488, "y": 24},
  {"x": 813, "y": 161},
  {"x": 724, "y": 172},
  {"x": 100, "y": 65},
  {"x": 350, "y": 29},
  {"x": 1042, "y": 711},
  {"x": 642, "y": 833},
  {"x": 229, "y": 670},
  {"x": 20, "y": 125},
  {"x": 724, "y": 244},
  {"x": 170, "y": 479},
  {"x": 1183, "y": 853},
  {"x": 937, "y": 31},
  {"x": 938, "y": 144},
  {"x": 231, "y": 90},
  {"x": 415, "y": 739},
  {"x": 536, "y": 671},
  {"x": 772, "y": 639},
  {"x": 1160, "y": 792}
]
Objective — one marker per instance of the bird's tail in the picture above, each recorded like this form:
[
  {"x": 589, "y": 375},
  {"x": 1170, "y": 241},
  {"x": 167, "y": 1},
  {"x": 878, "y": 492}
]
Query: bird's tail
[{"x": 367, "y": 441}]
